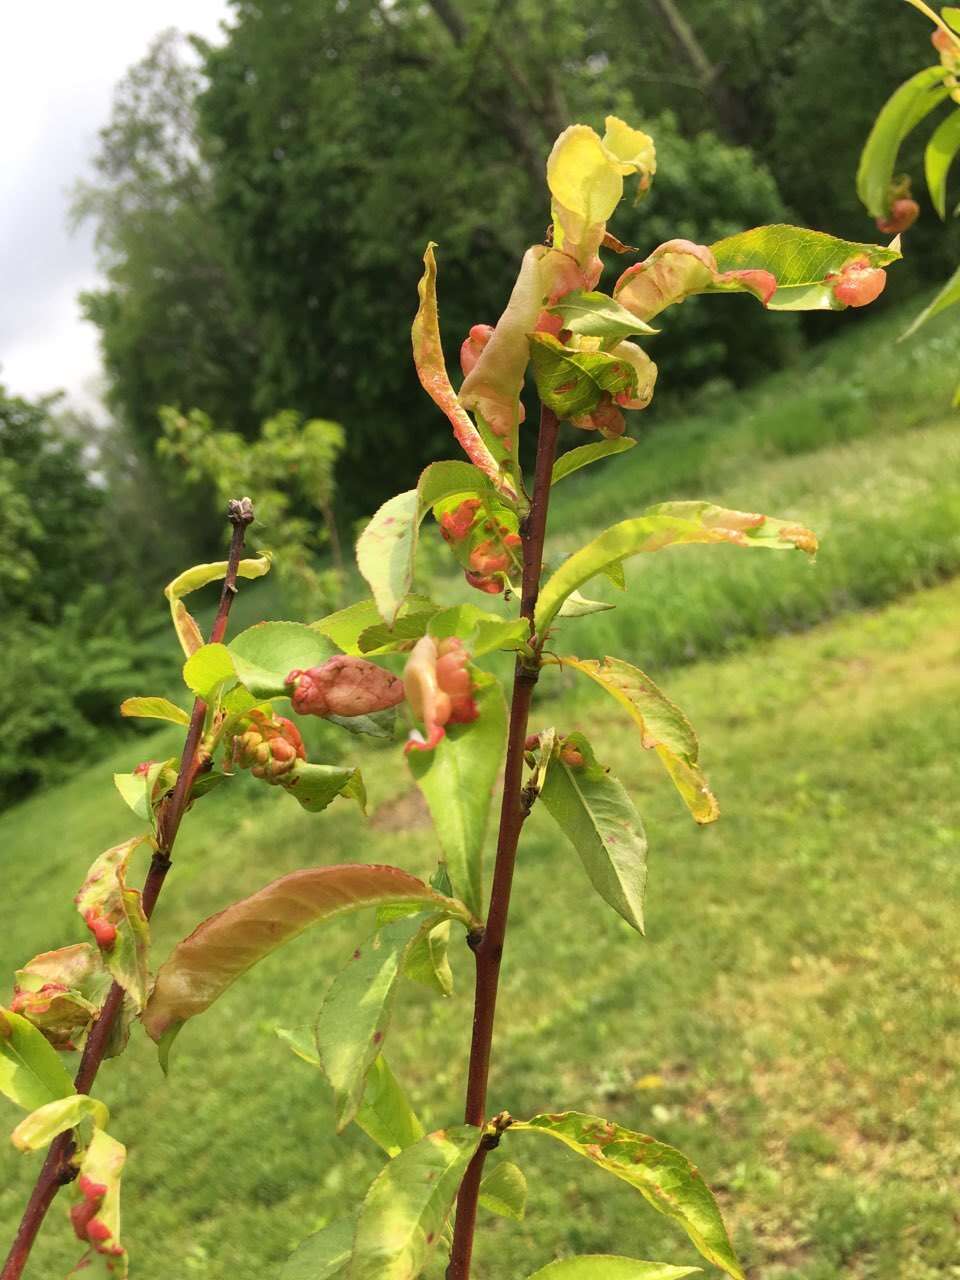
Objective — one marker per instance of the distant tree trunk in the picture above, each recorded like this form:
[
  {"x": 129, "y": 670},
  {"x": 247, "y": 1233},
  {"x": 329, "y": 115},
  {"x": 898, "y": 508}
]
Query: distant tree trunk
[{"x": 733, "y": 117}]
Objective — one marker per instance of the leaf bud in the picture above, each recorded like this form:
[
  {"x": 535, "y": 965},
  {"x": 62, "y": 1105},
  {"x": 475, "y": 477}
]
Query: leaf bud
[
  {"x": 344, "y": 686},
  {"x": 903, "y": 214}
]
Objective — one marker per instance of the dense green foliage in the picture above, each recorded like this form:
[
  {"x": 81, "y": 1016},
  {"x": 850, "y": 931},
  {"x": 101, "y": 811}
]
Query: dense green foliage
[{"x": 70, "y": 637}]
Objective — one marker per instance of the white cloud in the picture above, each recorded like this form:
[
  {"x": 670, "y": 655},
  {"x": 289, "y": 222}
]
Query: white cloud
[{"x": 59, "y": 62}]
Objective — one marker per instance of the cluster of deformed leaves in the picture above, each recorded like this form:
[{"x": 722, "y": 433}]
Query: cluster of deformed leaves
[
  {"x": 582, "y": 348},
  {"x": 885, "y": 194}
]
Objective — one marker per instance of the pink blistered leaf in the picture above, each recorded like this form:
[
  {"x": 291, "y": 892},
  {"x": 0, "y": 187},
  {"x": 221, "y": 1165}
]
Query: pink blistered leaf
[{"x": 344, "y": 686}]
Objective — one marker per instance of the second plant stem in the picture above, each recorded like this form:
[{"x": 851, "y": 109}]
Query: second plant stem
[
  {"x": 489, "y": 951},
  {"x": 58, "y": 1167}
]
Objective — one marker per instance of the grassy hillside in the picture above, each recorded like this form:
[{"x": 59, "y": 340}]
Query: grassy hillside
[{"x": 791, "y": 1020}]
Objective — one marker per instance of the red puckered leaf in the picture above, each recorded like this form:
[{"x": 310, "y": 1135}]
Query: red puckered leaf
[{"x": 226, "y": 945}]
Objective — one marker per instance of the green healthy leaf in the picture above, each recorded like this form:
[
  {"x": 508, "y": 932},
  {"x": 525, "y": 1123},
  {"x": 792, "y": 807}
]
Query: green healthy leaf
[
  {"x": 584, "y": 454},
  {"x": 207, "y": 669},
  {"x": 595, "y": 315},
  {"x": 154, "y": 709},
  {"x": 322, "y": 1256},
  {"x": 401, "y": 636},
  {"x": 114, "y": 915},
  {"x": 432, "y": 371},
  {"x": 385, "y": 1115},
  {"x": 948, "y": 296},
  {"x": 379, "y": 724},
  {"x": 407, "y": 1205},
  {"x": 43, "y": 1125},
  {"x": 578, "y": 606},
  {"x": 598, "y": 817},
  {"x": 427, "y": 961},
  {"x": 265, "y": 654},
  {"x": 457, "y": 779},
  {"x": 939, "y": 156},
  {"x": 226, "y": 945},
  {"x": 900, "y": 114},
  {"x": 192, "y": 580},
  {"x": 98, "y": 1222},
  {"x": 504, "y": 1191},
  {"x": 387, "y": 548},
  {"x": 314, "y": 786},
  {"x": 31, "y": 1072},
  {"x": 346, "y": 626},
  {"x": 664, "y": 1177},
  {"x": 355, "y": 1016},
  {"x": 136, "y": 792},
  {"x": 604, "y": 1266},
  {"x": 480, "y": 631},
  {"x": 802, "y": 262},
  {"x": 665, "y": 525},
  {"x": 663, "y": 728},
  {"x": 572, "y": 382}
]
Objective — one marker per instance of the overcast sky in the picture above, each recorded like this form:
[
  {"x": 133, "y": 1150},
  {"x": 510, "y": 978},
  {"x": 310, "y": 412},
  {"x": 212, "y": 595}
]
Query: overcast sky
[{"x": 59, "y": 62}]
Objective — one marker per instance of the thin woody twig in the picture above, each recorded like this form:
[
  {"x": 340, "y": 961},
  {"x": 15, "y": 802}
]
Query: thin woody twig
[{"x": 58, "y": 1167}]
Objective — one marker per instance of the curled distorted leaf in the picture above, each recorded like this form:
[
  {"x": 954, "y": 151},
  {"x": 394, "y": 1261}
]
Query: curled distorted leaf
[
  {"x": 584, "y": 454},
  {"x": 663, "y": 728},
  {"x": 900, "y": 114},
  {"x": 595, "y": 315},
  {"x": 407, "y": 1205},
  {"x": 665, "y": 525},
  {"x": 599, "y": 819},
  {"x": 96, "y": 1212},
  {"x": 387, "y": 547},
  {"x": 427, "y": 961},
  {"x": 31, "y": 1073},
  {"x": 679, "y": 268},
  {"x": 41, "y": 1126},
  {"x": 60, "y": 993},
  {"x": 948, "y": 296},
  {"x": 605, "y": 1266},
  {"x": 664, "y": 1176},
  {"x": 572, "y": 382},
  {"x": 457, "y": 779},
  {"x": 585, "y": 175},
  {"x": 492, "y": 387},
  {"x": 323, "y": 1256},
  {"x": 114, "y": 915},
  {"x": 226, "y": 945},
  {"x": 504, "y": 1191},
  {"x": 939, "y": 156},
  {"x": 385, "y": 1115},
  {"x": 809, "y": 267},
  {"x": 143, "y": 788},
  {"x": 355, "y": 1015},
  {"x": 192, "y": 580},
  {"x": 314, "y": 786},
  {"x": 154, "y": 709},
  {"x": 578, "y": 606},
  {"x": 432, "y": 372}
]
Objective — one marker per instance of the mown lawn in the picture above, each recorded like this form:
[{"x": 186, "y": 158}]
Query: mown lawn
[{"x": 792, "y": 1020}]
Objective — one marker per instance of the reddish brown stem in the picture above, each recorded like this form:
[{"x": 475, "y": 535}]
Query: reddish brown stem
[
  {"x": 513, "y": 811},
  {"x": 58, "y": 1168}
]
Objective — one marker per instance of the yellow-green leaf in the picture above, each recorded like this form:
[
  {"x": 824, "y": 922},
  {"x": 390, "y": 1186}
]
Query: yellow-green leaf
[
  {"x": 192, "y": 580},
  {"x": 939, "y": 156},
  {"x": 42, "y": 1126},
  {"x": 663, "y": 728},
  {"x": 899, "y": 115},
  {"x": 31, "y": 1072},
  {"x": 605, "y": 1266},
  {"x": 664, "y": 1176},
  {"x": 98, "y": 1185},
  {"x": 154, "y": 709}
]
